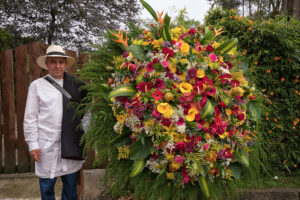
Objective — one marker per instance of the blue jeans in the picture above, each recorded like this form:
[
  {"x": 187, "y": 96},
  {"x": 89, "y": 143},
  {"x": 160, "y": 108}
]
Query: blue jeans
[{"x": 69, "y": 191}]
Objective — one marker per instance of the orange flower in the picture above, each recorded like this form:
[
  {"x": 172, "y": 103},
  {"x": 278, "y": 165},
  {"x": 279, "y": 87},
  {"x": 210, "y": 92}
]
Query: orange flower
[
  {"x": 267, "y": 118},
  {"x": 120, "y": 38},
  {"x": 282, "y": 79},
  {"x": 275, "y": 119},
  {"x": 255, "y": 62},
  {"x": 250, "y": 22},
  {"x": 268, "y": 71},
  {"x": 235, "y": 17},
  {"x": 267, "y": 113},
  {"x": 250, "y": 29},
  {"x": 160, "y": 18},
  {"x": 240, "y": 18},
  {"x": 269, "y": 131},
  {"x": 272, "y": 93},
  {"x": 296, "y": 80},
  {"x": 230, "y": 17},
  {"x": 295, "y": 123},
  {"x": 244, "y": 52},
  {"x": 277, "y": 58},
  {"x": 278, "y": 126}
]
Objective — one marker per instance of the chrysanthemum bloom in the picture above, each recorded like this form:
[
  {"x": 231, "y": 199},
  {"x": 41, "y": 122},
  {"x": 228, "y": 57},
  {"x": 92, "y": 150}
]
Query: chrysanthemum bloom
[
  {"x": 185, "y": 87},
  {"x": 200, "y": 73}
]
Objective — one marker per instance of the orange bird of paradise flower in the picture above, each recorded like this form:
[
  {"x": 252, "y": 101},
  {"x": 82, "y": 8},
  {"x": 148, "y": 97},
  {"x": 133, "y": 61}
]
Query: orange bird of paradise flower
[
  {"x": 120, "y": 38},
  {"x": 160, "y": 18}
]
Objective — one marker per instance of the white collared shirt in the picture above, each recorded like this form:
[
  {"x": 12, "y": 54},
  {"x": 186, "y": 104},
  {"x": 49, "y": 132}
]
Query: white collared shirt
[{"x": 42, "y": 129}]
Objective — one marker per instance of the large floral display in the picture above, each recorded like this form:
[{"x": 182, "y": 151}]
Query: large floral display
[{"x": 180, "y": 100}]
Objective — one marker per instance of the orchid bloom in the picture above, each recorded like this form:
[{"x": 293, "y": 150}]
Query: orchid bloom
[
  {"x": 120, "y": 38},
  {"x": 160, "y": 19}
]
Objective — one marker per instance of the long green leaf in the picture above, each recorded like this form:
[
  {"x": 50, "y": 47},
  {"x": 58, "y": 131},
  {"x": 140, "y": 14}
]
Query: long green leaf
[
  {"x": 149, "y": 8},
  {"x": 140, "y": 150},
  {"x": 241, "y": 157},
  {"x": 208, "y": 109},
  {"x": 227, "y": 45},
  {"x": 207, "y": 38},
  {"x": 123, "y": 90},
  {"x": 203, "y": 185},
  {"x": 254, "y": 109},
  {"x": 137, "y": 167}
]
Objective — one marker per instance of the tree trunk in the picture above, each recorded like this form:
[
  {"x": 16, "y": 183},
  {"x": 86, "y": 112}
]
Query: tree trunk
[{"x": 53, "y": 13}]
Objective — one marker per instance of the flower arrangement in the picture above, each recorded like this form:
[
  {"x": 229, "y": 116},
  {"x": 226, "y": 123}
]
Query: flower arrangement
[{"x": 181, "y": 101}]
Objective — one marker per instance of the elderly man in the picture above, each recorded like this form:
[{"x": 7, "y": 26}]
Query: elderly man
[{"x": 51, "y": 125}]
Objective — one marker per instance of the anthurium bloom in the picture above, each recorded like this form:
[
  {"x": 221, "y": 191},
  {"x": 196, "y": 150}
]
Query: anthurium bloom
[
  {"x": 185, "y": 87},
  {"x": 163, "y": 107},
  {"x": 191, "y": 114}
]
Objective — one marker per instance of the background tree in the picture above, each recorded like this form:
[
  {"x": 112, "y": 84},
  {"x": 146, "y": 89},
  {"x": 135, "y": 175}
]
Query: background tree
[{"x": 75, "y": 23}]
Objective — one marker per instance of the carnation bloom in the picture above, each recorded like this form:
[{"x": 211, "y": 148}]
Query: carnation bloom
[
  {"x": 191, "y": 114},
  {"x": 157, "y": 95},
  {"x": 213, "y": 57},
  {"x": 165, "y": 63},
  {"x": 185, "y": 87},
  {"x": 180, "y": 121},
  {"x": 209, "y": 48},
  {"x": 179, "y": 159},
  {"x": 166, "y": 122},
  {"x": 159, "y": 83},
  {"x": 192, "y": 73},
  {"x": 185, "y": 48}
]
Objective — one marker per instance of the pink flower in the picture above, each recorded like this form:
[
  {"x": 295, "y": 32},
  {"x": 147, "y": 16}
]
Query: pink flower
[
  {"x": 211, "y": 92},
  {"x": 178, "y": 45},
  {"x": 179, "y": 159},
  {"x": 186, "y": 179},
  {"x": 133, "y": 67},
  {"x": 205, "y": 146},
  {"x": 213, "y": 57},
  {"x": 155, "y": 113},
  {"x": 180, "y": 121},
  {"x": 157, "y": 95},
  {"x": 198, "y": 46},
  {"x": 165, "y": 63},
  {"x": 199, "y": 126},
  {"x": 150, "y": 67}
]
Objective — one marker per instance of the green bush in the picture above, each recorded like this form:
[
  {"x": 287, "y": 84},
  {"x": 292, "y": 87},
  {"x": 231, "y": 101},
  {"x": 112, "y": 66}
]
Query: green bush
[
  {"x": 5, "y": 40},
  {"x": 272, "y": 51}
]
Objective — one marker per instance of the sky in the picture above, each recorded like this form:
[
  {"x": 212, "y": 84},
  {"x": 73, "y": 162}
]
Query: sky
[{"x": 196, "y": 9}]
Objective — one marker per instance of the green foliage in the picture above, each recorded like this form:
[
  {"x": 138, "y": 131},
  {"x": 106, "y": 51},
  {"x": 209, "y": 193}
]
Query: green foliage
[
  {"x": 5, "y": 40},
  {"x": 272, "y": 50}
]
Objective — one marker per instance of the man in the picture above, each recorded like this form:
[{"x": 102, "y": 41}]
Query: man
[{"x": 51, "y": 125}]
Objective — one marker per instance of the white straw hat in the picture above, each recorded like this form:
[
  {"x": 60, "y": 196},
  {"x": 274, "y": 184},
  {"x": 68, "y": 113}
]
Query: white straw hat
[{"x": 55, "y": 51}]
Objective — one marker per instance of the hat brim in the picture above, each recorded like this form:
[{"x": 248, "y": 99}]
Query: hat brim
[{"x": 41, "y": 61}]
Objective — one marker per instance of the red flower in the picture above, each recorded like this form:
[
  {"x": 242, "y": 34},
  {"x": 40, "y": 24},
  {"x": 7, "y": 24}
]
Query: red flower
[
  {"x": 159, "y": 84},
  {"x": 180, "y": 145},
  {"x": 180, "y": 121},
  {"x": 166, "y": 122},
  {"x": 192, "y": 31},
  {"x": 209, "y": 48},
  {"x": 168, "y": 52},
  {"x": 155, "y": 60},
  {"x": 144, "y": 87},
  {"x": 198, "y": 46},
  {"x": 192, "y": 73},
  {"x": 133, "y": 67},
  {"x": 157, "y": 95},
  {"x": 240, "y": 116},
  {"x": 222, "y": 104}
]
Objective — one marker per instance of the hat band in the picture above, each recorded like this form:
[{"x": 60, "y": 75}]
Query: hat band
[{"x": 55, "y": 53}]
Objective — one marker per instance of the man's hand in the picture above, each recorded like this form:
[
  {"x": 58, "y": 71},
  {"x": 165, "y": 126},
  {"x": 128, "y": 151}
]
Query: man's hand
[{"x": 36, "y": 155}]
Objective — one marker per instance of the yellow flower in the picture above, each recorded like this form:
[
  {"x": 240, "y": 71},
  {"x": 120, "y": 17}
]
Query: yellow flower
[
  {"x": 163, "y": 107},
  {"x": 169, "y": 156},
  {"x": 123, "y": 152},
  {"x": 121, "y": 118},
  {"x": 228, "y": 111},
  {"x": 224, "y": 135},
  {"x": 155, "y": 44},
  {"x": 185, "y": 48},
  {"x": 185, "y": 87},
  {"x": 168, "y": 114},
  {"x": 200, "y": 73},
  {"x": 237, "y": 91},
  {"x": 172, "y": 67},
  {"x": 170, "y": 175},
  {"x": 182, "y": 76},
  {"x": 175, "y": 165},
  {"x": 191, "y": 114},
  {"x": 183, "y": 61}
]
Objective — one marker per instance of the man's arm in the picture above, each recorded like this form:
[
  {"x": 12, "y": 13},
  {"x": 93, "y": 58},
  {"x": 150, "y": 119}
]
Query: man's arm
[{"x": 31, "y": 123}]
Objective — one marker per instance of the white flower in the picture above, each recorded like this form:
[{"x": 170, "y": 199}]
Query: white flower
[{"x": 181, "y": 129}]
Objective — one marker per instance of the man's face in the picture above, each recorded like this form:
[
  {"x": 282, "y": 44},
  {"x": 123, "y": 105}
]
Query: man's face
[{"x": 56, "y": 66}]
